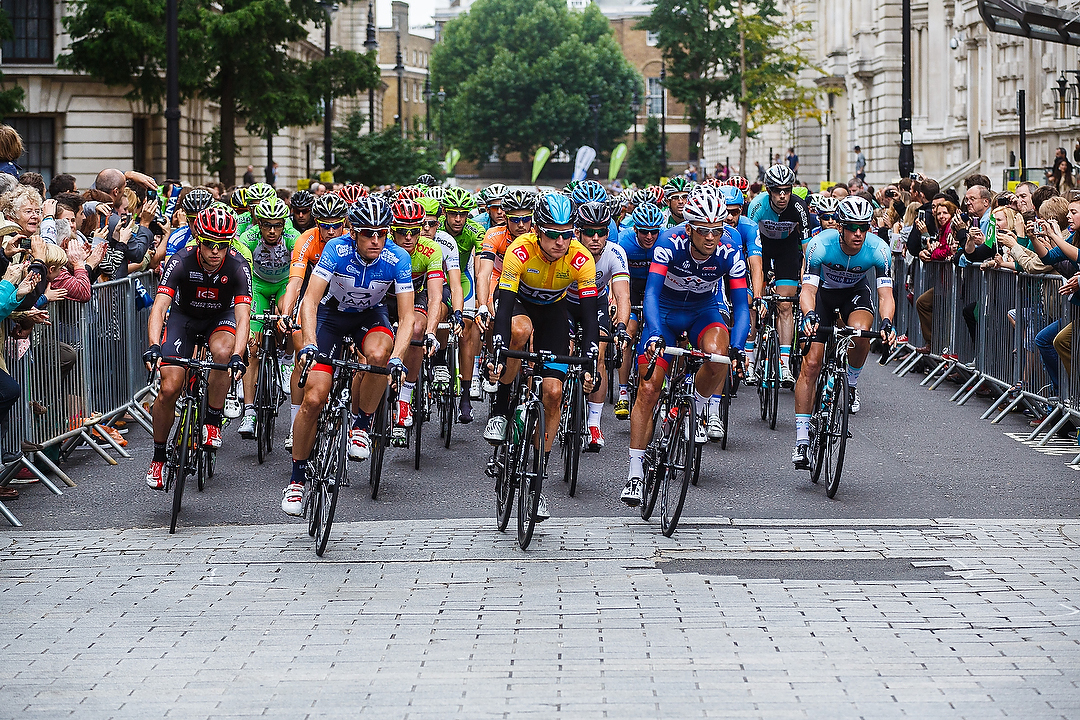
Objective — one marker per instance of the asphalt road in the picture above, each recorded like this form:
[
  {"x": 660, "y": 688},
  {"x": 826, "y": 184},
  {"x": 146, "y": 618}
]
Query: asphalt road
[{"x": 913, "y": 454}]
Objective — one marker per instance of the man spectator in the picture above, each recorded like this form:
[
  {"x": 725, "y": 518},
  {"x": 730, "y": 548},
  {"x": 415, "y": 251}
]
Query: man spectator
[
  {"x": 1041, "y": 195},
  {"x": 793, "y": 160},
  {"x": 976, "y": 179},
  {"x": 854, "y": 186},
  {"x": 112, "y": 182},
  {"x": 34, "y": 180},
  {"x": 1024, "y": 192},
  {"x": 249, "y": 176},
  {"x": 271, "y": 174},
  {"x": 923, "y": 192},
  {"x": 62, "y": 183},
  {"x": 860, "y": 163},
  {"x": 978, "y": 200},
  {"x": 760, "y": 172},
  {"x": 839, "y": 192}
]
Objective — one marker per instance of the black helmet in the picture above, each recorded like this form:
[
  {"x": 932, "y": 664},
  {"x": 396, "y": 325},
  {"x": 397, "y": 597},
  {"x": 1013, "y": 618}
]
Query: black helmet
[
  {"x": 370, "y": 212},
  {"x": 593, "y": 214},
  {"x": 196, "y": 200},
  {"x": 518, "y": 200},
  {"x": 301, "y": 199}
]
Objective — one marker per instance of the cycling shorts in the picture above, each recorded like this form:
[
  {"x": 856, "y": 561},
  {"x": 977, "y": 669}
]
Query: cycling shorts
[
  {"x": 420, "y": 302},
  {"x": 846, "y": 300},
  {"x": 784, "y": 258},
  {"x": 674, "y": 321},
  {"x": 334, "y": 327},
  {"x": 264, "y": 297},
  {"x": 183, "y": 332},
  {"x": 550, "y": 323},
  {"x": 603, "y": 318}
]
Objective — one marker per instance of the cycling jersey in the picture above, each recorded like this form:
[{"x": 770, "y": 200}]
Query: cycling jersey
[
  {"x": 793, "y": 223},
  {"x": 483, "y": 220},
  {"x": 354, "y": 284},
  {"x": 469, "y": 240},
  {"x": 269, "y": 263},
  {"x": 450, "y": 258},
  {"x": 747, "y": 231},
  {"x": 178, "y": 238},
  {"x": 637, "y": 260},
  {"x": 493, "y": 248},
  {"x": 243, "y": 222},
  {"x": 535, "y": 280},
  {"x": 306, "y": 253},
  {"x": 669, "y": 219},
  {"x": 198, "y": 293},
  {"x": 610, "y": 267},
  {"x": 830, "y": 268},
  {"x": 427, "y": 262}
]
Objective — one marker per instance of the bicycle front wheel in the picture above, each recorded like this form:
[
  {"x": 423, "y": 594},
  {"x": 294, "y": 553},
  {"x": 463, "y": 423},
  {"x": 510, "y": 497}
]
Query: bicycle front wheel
[
  {"x": 185, "y": 444},
  {"x": 679, "y": 468},
  {"x": 530, "y": 473},
  {"x": 836, "y": 434},
  {"x": 773, "y": 371},
  {"x": 574, "y": 419},
  {"x": 332, "y": 477},
  {"x": 380, "y": 438},
  {"x": 449, "y": 404},
  {"x": 419, "y": 410}
]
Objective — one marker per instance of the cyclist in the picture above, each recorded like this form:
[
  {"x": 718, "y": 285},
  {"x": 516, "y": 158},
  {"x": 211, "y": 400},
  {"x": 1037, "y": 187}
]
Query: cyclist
[
  {"x": 429, "y": 228},
  {"x": 253, "y": 195},
  {"x": 300, "y": 204},
  {"x": 427, "y": 180},
  {"x": 827, "y": 206},
  {"x": 329, "y": 212},
  {"x": 344, "y": 301},
  {"x": 271, "y": 245},
  {"x": 493, "y": 216},
  {"x": 593, "y": 220},
  {"x": 676, "y": 191},
  {"x": 684, "y": 294},
  {"x": 783, "y": 230},
  {"x": 747, "y": 232},
  {"x": 637, "y": 242},
  {"x": 458, "y": 204},
  {"x": 206, "y": 293},
  {"x": 537, "y": 270},
  {"x": 836, "y": 279},
  {"x": 194, "y": 201}
]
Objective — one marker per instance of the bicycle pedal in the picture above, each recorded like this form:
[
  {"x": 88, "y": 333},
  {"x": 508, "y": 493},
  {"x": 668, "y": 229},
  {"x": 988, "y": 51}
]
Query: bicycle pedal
[{"x": 491, "y": 470}]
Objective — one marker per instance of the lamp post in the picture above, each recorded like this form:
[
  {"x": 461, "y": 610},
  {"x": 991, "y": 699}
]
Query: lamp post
[
  {"x": 427, "y": 107},
  {"x": 371, "y": 44},
  {"x": 399, "y": 68},
  {"x": 172, "y": 101},
  {"x": 328, "y": 146},
  {"x": 663, "y": 121},
  {"x": 442, "y": 99},
  {"x": 907, "y": 151},
  {"x": 636, "y": 105}
]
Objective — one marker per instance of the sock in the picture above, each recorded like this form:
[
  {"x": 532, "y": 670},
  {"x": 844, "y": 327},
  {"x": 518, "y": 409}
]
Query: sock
[
  {"x": 502, "y": 401},
  {"x": 700, "y": 403},
  {"x": 407, "y": 391},
  {"x": 249, "y": 410},
  {"x": 623, "y": 393},
  {"x": 853, "y": 375},
  {"x": 476, "y": 366},
  {"x": 213, "y": 416},
  {"x": 547, "y": 461},
  {"x": 636, "y": 469},
  {"x": 362, "y": 421},
  {"x": 298, "y": 469},
  {"x": 714, "y": 405},
  {"x": 785, "y": 354},
  {"x": 750, "y": 352},
  {"x": 159, "y": 452},
  {"x": 802, "y": 429},
  {"x": 294, "y": 409},
  {"x": 594, "y": 413}
]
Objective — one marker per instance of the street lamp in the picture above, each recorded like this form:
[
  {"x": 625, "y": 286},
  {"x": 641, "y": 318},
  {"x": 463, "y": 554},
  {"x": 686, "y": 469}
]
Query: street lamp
[
  {"x": 399, "y": 68},
  {"x": 371, "y": 44},
  {"x": 663, "y": 121},
  {"x": 442, "y": 100},
  {"x": 427, "y": 107},
  {"x": 328, "y": 146},
  {"x": 172, "y": 96}
]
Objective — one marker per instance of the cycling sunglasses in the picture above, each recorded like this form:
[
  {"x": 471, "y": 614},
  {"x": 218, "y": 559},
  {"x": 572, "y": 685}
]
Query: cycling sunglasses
[
  {"x": 857, "y": 227},
  {"x": 272, "y": 226},
  {"x": 215, "y": 244},
  {"x": 519, "y": 219},
  {"x": 734, "y": 209},
  {"x": 826, "y": 216},
  {"x": 431, "y": 224},
  {"x": 411, "y": 231},
  {"x": 678, "y": 196},
  {"x": 786, "y": 190},
  {"x": 556, "y": 234},
  {"x": 330, "y": 225},
  {"x": 594, "y": 232},
  {"x": 706, "y": 232},
  {"x": 369, "y": 233},
  {"x": 648, "y": 231}
]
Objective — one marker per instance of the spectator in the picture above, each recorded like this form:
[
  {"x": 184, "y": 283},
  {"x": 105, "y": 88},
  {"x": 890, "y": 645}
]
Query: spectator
[
  {"x": 34, "y": 180},
  {"x": 1024, "y": 191},
  {"x": 978, "y": 201},
  {"x": 951, "y": 234},
  {"x": 860, "y": 163},
  {"x": 11, "y": 149},
  {"x": 1041, "y": 195},
  {"x": 271, "y": 174},
  {"x": 977, "y": 179},
  {"x": 17, "y": 283},
  {"x": 23, "y": 207},
  {"x": 792, "y": 160},
  {"x": 760, "y": 172},
  {"x": 249, "y": 176},
  {"x": 923, "y": 192},
  {"x": 839, "y": 192},
  {"x": 1061, "y": 176},
  {"x": 62, "y": 183}
]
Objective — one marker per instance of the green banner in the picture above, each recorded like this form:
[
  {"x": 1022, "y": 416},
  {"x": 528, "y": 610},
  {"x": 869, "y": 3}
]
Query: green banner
[
  {"x": 617, "y": 157},
  {"x": 539, "y": 160},
  {"x": 452, "y": 157}
]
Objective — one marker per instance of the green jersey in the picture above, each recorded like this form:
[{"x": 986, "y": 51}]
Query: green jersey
[
  {"x": 269, "y": 263},
  {"x": 427, "y": 263}
]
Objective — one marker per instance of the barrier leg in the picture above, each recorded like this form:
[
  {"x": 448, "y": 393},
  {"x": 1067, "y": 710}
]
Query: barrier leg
[
  {"x": 25, "y": 462},
  {"x": 1050, "y": 417},
  {"x": 996, "y": 404},
  {"x": 105, "y": 436},
  {"x": 1008, "y": 408},
  {"x": 12, "y": 520},
  {"x": 977, "y": 379},
  {"x": 136, "y": 411},
  {"x": 945, "y": 375},
  {"x": 96, "y": 448},
  {"x": 1054, "y": 431},
  {"x": 932, "y": 373},
  {"x": 43, "y": 458},
  {"x": 908, "y": 365}
]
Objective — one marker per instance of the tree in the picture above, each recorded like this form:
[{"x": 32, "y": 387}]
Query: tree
[
  {"x": 520, "y": 74},
  {"x": 235, "y": 52},
  {"x": 384, "y": 157},
  {"x": 643, "y": 161}
]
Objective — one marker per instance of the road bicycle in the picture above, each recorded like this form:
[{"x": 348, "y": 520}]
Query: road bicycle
[
  {"x": 573, "y": 434},
  {"x": 517, "y": 463},
  {"x": 672, "y": 457},
  {"x": 446, "y": 387},
  {"x": 767, "y": 359},
  {"x": 269, "y": 394},
  {"x": 327, "y": 468}
]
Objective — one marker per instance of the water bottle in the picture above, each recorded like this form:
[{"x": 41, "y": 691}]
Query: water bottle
[
  {"x": 828, "y": 390},
  {"x": 518, "y": 426}
]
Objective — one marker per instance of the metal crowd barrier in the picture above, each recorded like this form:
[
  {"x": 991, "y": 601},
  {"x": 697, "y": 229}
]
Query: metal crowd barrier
[{"x": 69, "y": 405}]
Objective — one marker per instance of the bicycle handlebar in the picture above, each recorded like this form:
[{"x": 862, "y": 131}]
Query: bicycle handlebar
[
  {"x": 349, "y": 365},
  {"x": 545, "y": 358},
  {"x": 708, "y": 357}
]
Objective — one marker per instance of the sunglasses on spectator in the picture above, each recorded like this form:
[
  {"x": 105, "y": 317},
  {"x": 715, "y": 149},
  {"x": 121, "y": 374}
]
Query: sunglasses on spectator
[
  {"x": 857, "y": 227},
  {"x": 431, "y": 224},
  {"x": 214, "y": 244},
  {"x": 370, "y": 233},
  {"x": 330, "y": 225},
  {"x": 407, "y": 231},
  {"x": 519, "y": 219},
  {"x": 648, "y": 231},
  {"x": 594, "y": 232},
  {"x": 556, "y": 234},
  {"x": 706, "y": 231}
]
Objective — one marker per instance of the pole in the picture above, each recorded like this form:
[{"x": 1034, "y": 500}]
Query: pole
[
  {"x": 400, "y": 68},
  {"x": 663, "y": 121},
  {"x": 907, "y": 151},
  {"x": 1021, "y": 110},
  {"x": 270, "y": 159},
  {"x": 371, "y": 44},
  {"x": 328, "y": 148},
  {"x": 828, "y": 156},
  {"x": 172, "y": 102}
]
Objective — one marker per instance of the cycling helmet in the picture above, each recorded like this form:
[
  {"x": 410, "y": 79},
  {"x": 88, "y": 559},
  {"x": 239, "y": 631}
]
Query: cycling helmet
[
  {"x": 215, "y": 223},
  {"x": 428, "y": 180},
  {"x": 615, "y": 204},
  {"x": 430, "y": 205},
  {"x": 519, "y": 200},
  {"x": 329, "y": 207},
  {"x": 351, "y": 193},
  {"x": 238, "y": 200},
  {"x": 656, "y": 195},
  {"x": 639, "y": 197},
  {"x": 732, "y": 195},
  {"x": 569, "y": 187},
  {"x": 371, "y": 212},
  {"x": 457, "y": 198},
  {"x": 258, "y": 192},
  {"x": 301, "y": 199},
  {"x": 409, "y": 192},
  {"x": 438, "y": 192},
  {"x": 677, "y": 184},
  {"x": 779, "y": 176},
  {"x": 495, "y": 193},
  {"x": 553, "y": 209},
  {"x": 740, "y": 182},
  {"x": 647, "y": 217},
  {"x": 854, "y": 209},
  {"x": 827, "y": 204},
  {"x": 713, "y": 182},
  {"x": 407, "y": 212},
  {"x": 588, "y": 191},
  {"x": 195, "y": 200},
  {"x": 705, "y": 207},
  {"x": 272, "y": 208},
  {"x": 593, "y": 214}
]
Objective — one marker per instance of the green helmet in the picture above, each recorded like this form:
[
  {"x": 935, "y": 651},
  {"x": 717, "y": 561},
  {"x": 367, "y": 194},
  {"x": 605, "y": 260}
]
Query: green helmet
[
  {"x": 430, "y": 205},
  {"x": 219, "y": 204},
  {"x": 458, "y": 199},
  {"x": 272, "y": 208},
  {"x": 258, "y": 192},
  {"x": 677, "y": 184}
]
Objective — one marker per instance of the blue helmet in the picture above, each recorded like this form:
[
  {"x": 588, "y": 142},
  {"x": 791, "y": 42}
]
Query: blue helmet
[
  {"x": 732, "y": 195},
  {"x": 648, "y": 216},
  {"x": 554, "y": 209},
  {"x": 588, "y": 191}
]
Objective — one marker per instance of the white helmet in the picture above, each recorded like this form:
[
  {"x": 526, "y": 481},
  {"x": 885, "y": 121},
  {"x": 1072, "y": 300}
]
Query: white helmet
[
  {"x": 705, "y": 205},
  {"x": 854, "y": 209}
]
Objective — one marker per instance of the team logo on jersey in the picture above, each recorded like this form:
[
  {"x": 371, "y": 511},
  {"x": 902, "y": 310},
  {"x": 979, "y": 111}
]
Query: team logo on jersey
[
  {"x": 521, "y": 253},
  {"x": 204, "y": 293},
  {"x": 579, "y": 260},
  {"x": 224, "y": 279},
  {"x": 343, "y": 250},
  {"x": 857, "y": 269},
  {"x": 195, "y": 276},
  {"x": 532, "y": 270},
  {"x": 662, "y": 255}
]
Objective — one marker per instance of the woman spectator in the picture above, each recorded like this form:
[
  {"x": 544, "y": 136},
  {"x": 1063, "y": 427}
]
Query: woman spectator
[
  {"x": 23, "y": 206},
  {"x": 1061, "y": 177},
  {"x": 952, "y": 233},
  {"x": 11, "y": 149}
]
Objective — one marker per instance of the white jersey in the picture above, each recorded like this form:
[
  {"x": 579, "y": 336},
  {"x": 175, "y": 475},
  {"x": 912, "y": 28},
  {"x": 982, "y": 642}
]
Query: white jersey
[
  {"x": 451, "y": 258},
  {"x": 611, "y": 266}
]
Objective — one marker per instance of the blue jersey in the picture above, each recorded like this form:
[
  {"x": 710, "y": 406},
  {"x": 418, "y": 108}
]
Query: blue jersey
[
  {"x": 793, "y": 223},
  {"x": 748, "y": 233},
  {"x": 678, "y": 232},
  {"x": 354, "y": 284},
  {"x": 829, "y": 267},
  {"x": 484, "y": 220},
  {"x": 178, "y": 239},
  {"x": 637, "y": 257}
]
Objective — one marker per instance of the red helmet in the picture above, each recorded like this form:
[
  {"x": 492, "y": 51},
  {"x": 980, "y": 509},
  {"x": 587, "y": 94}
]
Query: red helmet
[
  {"x": 656, "y": 194},
  {"x": 352, "y": 193},
  {"x": 740, "y": 182},
  {"x": 407, "y": 212},
  {"x": 410, "y": 192},
  {"x": 215, "y": 223},
  {"x": 713, "y": 182}
]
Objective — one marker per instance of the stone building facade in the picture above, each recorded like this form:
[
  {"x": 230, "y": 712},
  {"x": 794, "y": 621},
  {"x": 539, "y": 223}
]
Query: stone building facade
[{"x": 415, "y": 49}]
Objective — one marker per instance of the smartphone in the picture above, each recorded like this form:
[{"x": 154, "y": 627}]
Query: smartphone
[
  {"x": 965, "y": 218},
  {"x": 922, "y": 216},
  {"x": 1040, "y": 227},
  {"x": 151, "y": 194}
]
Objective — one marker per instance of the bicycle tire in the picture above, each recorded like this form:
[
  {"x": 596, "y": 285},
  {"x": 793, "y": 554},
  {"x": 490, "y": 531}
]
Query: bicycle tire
[
  {"x": 451, "y": 395},
  {"x": 697, "y": 463},
  {"x": 380, "y": 437},
  {"x": 419, "y": 410},
  {"x": 504, "y": 485},
  {"x": 677, "y": 468},
  {"x": 632, "y": 383},
  {"x": 183, "y": 448},
  {"x": 725, "y": 406},
  {"x": 837, "y": 435},
  {"x": 774, "y": 378},
  {"x": 652, "y": 464},
  {"x": 261, "y": 408},
  {"x": 573, "y": 416},
  {"x": 336, "y": 465},
  {"x": 530, "y": 471},
  {"x": 761, "y": 369}
]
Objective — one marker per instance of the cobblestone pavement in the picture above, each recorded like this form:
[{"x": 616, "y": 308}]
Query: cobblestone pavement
[{"x": 600, "y": 618}]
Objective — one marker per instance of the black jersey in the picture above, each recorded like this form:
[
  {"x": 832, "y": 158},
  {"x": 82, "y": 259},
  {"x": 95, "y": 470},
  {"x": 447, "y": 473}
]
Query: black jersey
[{"x": 199, "y": 293}]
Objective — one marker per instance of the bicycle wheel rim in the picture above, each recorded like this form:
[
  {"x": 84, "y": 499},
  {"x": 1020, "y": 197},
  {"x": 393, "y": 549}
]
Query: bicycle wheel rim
[
  {"x": 774, "y": 380},
  {"x": 378, "y": 438},
  {"x": 504, "y": 486},
  {"x": 679, "y": 468},
  {"x": 184, "y": 454},
  {"x": 330, "y": 484},
  {"x": 419, "y": 411},
  {"x": 530, "y": 472},
  {"x": 838, "y": 423},
  {"x": 578, "y": 430},
  {"x": 725, "y": 406}
]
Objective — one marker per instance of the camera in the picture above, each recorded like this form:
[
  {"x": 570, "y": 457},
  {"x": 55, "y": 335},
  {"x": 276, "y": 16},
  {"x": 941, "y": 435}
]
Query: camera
[{"x": 151, "y": 194}]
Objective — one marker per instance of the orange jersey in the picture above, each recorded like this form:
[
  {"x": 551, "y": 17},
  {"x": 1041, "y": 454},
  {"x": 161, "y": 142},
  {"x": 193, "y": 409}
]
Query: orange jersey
[
  {"x": 496, "y": 240},
  {"x": 306, "y": 253}
]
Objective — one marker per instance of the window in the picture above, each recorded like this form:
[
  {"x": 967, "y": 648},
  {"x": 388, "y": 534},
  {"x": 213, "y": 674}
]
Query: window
[
  {"x": 652, "y": 38},
  {"x": 37, "y": 137},
  {"x": 32, "y": 21},
  {"x": 416, "y": 91},
  {"x": 405, "y": 91},
  {"x": 655, "y": 99}
]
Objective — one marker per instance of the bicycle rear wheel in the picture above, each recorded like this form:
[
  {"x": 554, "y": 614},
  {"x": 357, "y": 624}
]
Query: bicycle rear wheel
[
  {"x": 184, "y": 446},
  {"x": 773, "y": 370},
  {"x": 530, "y": 472},
  {"x": 652, "y": 463},
  {"x": 380, "y": 438},
  {"x": 332, "y": 477},
  {"x": 419, "y": 409},
  {"x": 817, "y": 427},
  {"x": 836, "y": 436},
  {"x": 449, "y": 395},
  {"x": 574, "y": 418},
  {"x": 679, "y": 468}
]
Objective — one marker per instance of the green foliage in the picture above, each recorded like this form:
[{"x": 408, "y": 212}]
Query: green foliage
[
  {"x": 210, "y": 151},
  {"x": 643, "y": 160},
  {"x": 383, "y": 157},
  {"x": 519, "y": 74},
  {"x": 11, "y": 98}
]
